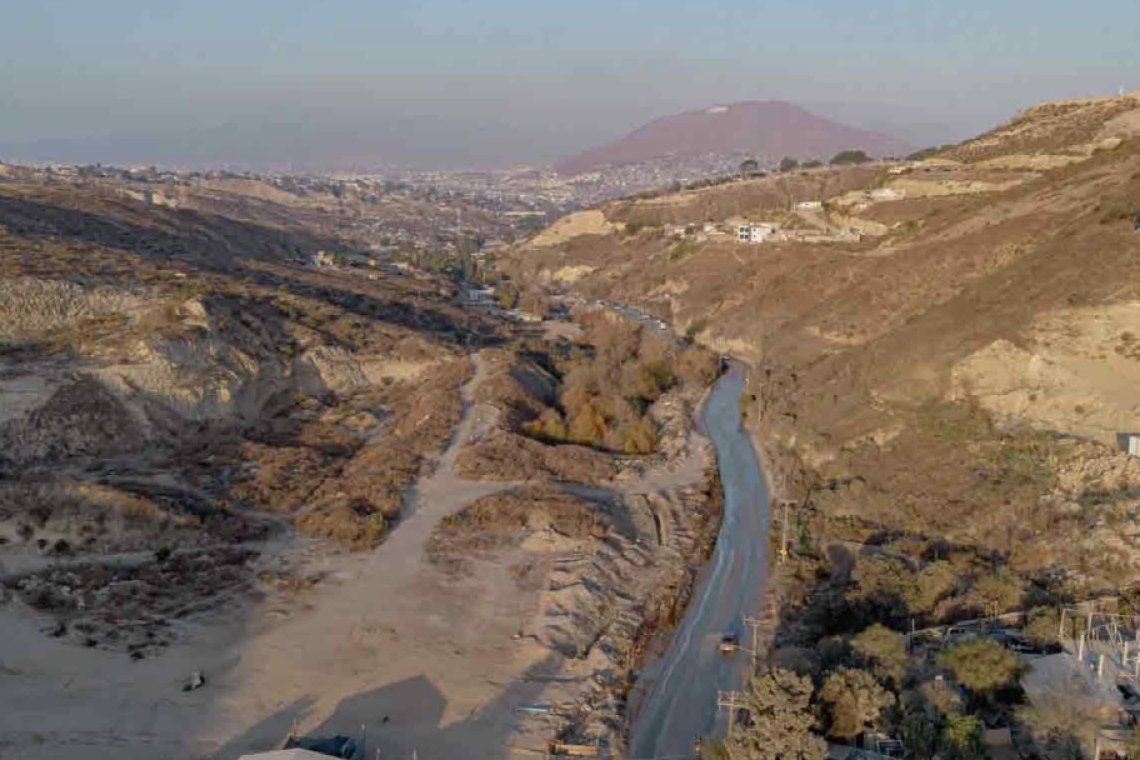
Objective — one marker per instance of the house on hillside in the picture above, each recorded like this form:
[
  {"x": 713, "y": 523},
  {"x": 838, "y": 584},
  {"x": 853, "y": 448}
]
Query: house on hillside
[
  {"x": 479, "y": 297},
  {"x": 754, "y": 233},
  {"x": 809, "y": 205},
  {"x": 322, "y": 259},
  {"x": 1129, "y": 443}
]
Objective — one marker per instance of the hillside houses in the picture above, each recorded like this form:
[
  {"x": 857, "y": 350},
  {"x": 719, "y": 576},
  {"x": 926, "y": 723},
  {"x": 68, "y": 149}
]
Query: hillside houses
[{"x": 755, "y": 232}]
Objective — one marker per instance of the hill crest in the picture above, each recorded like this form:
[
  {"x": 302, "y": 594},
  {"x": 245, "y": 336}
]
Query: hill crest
[{"x": 766, "y": 130}]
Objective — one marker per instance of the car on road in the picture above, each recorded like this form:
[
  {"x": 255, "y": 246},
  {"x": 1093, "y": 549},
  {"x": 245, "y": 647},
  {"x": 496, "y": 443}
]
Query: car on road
[{"x": 728, "y": 643}]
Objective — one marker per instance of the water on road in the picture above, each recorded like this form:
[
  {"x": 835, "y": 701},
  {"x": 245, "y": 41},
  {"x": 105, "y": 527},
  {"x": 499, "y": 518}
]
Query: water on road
[{"x": 682, "y": 700}]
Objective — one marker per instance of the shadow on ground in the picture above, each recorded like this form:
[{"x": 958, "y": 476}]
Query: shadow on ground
[{"x": 405, "y": 720}]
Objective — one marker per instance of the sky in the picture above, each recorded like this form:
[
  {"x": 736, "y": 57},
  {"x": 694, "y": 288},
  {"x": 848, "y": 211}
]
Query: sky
[{"x": 456, "y": 83}]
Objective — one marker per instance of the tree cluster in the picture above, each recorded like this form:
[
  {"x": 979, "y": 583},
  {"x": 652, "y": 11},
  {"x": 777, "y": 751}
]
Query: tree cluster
[{"x": 611, "y": 381}]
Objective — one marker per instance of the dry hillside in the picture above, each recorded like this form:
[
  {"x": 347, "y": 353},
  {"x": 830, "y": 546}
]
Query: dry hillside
[
  {"x": 957, "y": 373},
  {"x": 172, "y": 380},
  {"x": 203, "y": 438}
]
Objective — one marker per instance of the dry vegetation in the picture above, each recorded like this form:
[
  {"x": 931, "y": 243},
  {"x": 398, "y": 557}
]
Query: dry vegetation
[
  {"x": 856, "y": 344},
  {"x": 496, "y": 522},
  {"x": 566, "y": 409},
  {"x": 941, "y": 401},
  {"x": 608, "y": 383},
  {"x": 170, "y": 377}
]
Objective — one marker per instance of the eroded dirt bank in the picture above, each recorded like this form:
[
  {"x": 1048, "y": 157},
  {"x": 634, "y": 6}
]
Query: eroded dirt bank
[{"x": 425, "y": 655}]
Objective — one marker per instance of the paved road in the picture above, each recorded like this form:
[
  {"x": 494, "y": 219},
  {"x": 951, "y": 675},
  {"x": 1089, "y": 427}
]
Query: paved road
[{"x": 682, "y": 702}]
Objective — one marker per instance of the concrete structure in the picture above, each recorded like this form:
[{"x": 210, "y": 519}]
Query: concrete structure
[
  {"x": 478, "y": 295},
  {"x": 809, "y": 205},
  {"x": 754, "y": 233},
  {"x": 1129, "y": 443}
]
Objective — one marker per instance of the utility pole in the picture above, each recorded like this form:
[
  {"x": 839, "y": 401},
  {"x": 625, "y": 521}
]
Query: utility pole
[
  {"x": 784, "y": 532},
  {"x": 732, "y": 701},
  {"x": 754, "y": 624}
]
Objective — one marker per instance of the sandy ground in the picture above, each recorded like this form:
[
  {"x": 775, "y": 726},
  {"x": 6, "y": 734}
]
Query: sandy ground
[
  {"x": 592, "y": 222},
  {"x": 421, "y": 660},
  {"x": 1077, "y": 371}
]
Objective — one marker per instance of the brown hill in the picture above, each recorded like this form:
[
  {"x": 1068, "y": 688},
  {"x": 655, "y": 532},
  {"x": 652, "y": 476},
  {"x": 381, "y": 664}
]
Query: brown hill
[
  {"x": 945, "y": 349},
  {"x": 767, "y": 130}
]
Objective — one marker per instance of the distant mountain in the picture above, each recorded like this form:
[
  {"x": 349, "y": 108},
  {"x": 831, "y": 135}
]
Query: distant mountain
[{"x": 768, "y": 130}]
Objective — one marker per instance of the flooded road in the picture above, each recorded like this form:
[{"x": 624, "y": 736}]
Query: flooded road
[{"x": 682, "y": 701}]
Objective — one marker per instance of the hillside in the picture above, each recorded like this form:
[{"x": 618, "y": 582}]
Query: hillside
[
  {"x": 339, "y": 492},
  {"x": 944, "y": 354},
  {"x": 767, "y": 131}
]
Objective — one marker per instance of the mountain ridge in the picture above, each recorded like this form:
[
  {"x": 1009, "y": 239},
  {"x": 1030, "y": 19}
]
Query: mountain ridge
[{"x": 768, "y": 130}]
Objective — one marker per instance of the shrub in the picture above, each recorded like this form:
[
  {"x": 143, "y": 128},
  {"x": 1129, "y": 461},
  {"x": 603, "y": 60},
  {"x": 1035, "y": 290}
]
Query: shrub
[
  {"x": 854, "y": 700},
  {"x": 849, "y": 158},
  {"x": 549, "y": 427},
  {"x": 1043, "y": 627},
  {"x": 884, "y": 651},
  {"x": 682, "y": 249},
  {"x": 999, "y": 592},
  {"x": 983, "y": 666},
  {"x": 783, "y": 723},
  {"x": 962, "y": 738}
]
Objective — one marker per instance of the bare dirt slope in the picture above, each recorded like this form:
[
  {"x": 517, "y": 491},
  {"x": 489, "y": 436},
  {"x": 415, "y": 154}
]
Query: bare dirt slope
[
  {"x": 214, "y": 458},
  {"x": 429, "y": 651},
  {"x": 946, "y": 378}
]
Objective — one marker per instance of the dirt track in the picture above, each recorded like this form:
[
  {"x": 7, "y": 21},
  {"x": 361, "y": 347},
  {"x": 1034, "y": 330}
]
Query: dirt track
[{"x": 425, "y": 660}]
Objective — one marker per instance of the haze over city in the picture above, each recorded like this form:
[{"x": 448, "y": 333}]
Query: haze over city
[
  {"x": 447, "y": 83},
  {"x": 615, "y": 379}
]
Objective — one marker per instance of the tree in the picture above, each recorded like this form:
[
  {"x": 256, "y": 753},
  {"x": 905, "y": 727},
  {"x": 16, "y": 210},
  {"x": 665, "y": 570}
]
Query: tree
[
  {"x": 789, "y": 165},
  {"x": 812, "y": 164},
  {"x": 922, "y": 155},
  {"x": 885, "y": 582},
  {"x": 936, "y": 581},
  {"x": 884, "y": 652},
  {"x": 783, "y": 724},
  {"x": 1044, "y": 626},
  {"x": 962, "y": 738},
  {"x": 999, "y": 592},
  {"x": 748, "y": 166},
  {"x": 918, "y": 730},
  {"x": 854, "y": 699},
  {"x": 983, "y": 666},
  {"x": 849, "y": 158},
  {"x": 509, "y": 295},
  {"x": 942, "y": 697}
]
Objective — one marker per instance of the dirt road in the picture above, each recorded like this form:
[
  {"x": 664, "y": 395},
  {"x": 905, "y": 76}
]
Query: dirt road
[{"x": 682, "y": 700}]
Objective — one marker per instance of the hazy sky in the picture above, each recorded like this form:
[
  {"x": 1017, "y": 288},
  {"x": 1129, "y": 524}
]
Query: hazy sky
[{"x": 422, "y": 82}]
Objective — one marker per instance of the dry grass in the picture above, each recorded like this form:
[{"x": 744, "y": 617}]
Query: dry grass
[
  {"x": 504, "y": 519},
  {"x": 854, "y": 345},
  {"x": 183, "y": 309}
]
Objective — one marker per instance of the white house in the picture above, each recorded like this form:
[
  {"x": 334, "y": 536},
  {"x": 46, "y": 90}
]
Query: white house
[
  {"x": 476, "y": 295},
  {"x": 1130, "y": 443},
  {"x": 322, "y": 259},
  {"x": 754, "y": 233},
  {"x": 809, "y": 205}
]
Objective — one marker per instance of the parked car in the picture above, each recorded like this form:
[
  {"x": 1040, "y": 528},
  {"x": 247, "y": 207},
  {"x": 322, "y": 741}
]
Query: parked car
[{"x": 1024, "y": 646}]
